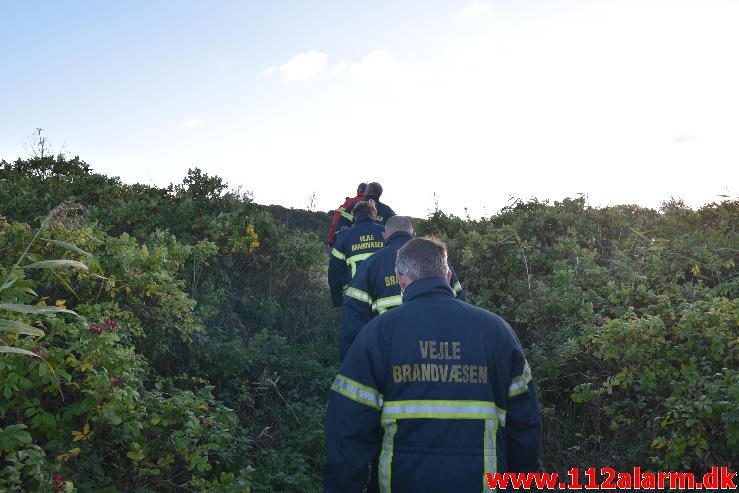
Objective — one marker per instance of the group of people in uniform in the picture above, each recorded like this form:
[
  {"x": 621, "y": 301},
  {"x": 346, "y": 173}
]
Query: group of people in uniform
[{"x": 432, "y": 392}]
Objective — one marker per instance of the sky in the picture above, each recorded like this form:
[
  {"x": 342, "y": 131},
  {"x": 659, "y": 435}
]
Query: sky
[{"x": 462, "y": 104}]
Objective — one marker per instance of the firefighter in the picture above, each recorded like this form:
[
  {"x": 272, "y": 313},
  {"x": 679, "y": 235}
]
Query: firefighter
[
  {"x": 375, "y": 289},
  {"x": 372, "y": 192},
  {"x": 438, "y": 388},
  {"x": 341, "y": 212},
  {"x": 352, "y": 247}
]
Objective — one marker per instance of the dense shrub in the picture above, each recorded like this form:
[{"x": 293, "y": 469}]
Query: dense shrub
[
  {"x": 220, "y": 352},
  {"x": 206, "y": 344},
  {"x": 630, "y": 319}
]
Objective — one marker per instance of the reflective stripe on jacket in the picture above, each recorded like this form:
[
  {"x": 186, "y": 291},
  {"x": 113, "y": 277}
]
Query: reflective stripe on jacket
[
  {"x": 375, "y": 290},
  {"x": 440, "y": 392},
  {"x": 351, "y": 248}
]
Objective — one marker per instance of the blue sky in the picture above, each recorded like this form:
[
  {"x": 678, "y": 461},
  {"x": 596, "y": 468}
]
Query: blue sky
[{"x": 464, "y": 102}]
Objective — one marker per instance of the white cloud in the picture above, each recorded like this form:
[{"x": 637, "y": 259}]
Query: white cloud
[
  {"x": 269, "y": 71},
  {"x": 380, "y": 65},
  {"x": 340, "y": 68},
  {"x": 303, "y": 66},
  {"x": 476, "y": 9},
  {"x": 192, "y": 123}
]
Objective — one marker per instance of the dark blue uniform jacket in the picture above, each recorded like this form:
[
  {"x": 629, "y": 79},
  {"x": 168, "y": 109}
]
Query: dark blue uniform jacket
[
  {"x": 375, "y": 290},
  {"x": 440, "y": 390},
  {"x": 384, "y": 212},
  {"x": 351, "y": 248}
]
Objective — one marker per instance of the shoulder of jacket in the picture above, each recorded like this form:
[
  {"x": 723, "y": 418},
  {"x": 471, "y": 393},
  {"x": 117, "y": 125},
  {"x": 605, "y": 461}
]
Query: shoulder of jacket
[{"x": 340, "y": 236}]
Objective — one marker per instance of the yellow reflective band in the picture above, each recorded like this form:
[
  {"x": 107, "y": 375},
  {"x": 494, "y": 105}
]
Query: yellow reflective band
[
  {"x": 490, "y": 453},
  {"x": 386, "y": 455},
  {"x": 338, "y": 254},
  {"x": 457, "y": 288},
  {"x": 382, "y": 304},
  {"x": 358, "y": 258},
  {"x": 433, "y": 409},
  {"x": 357, "y": 392},
  {"x": 358, "y": 294},
  {"x": 355, "y": 259},
  {"x": 346, "y": 215},
  {"x": 520, "y": 384}
]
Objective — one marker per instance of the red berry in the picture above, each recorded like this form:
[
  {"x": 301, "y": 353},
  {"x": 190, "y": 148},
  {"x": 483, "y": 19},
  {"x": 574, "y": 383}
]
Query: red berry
[
  {"x": 59, "y": 481},
  {"x": 116, "y": 382},
  {"x": 210, "y": 426}
]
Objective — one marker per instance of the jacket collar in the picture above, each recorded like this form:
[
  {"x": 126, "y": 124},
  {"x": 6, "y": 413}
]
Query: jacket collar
[
  {"x": 399, "y": 238},
  {"x": 427, "y": 286}
]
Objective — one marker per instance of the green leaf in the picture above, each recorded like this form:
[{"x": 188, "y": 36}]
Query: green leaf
[
  {"x": 68, "y": 246},
  {"x": 135, "y": 454},
  {"x": 7, "y": 284},
  {"x": 35, "y": 309},
  {"x": 16, "y": 350},
  {"x": 19, "y": 328},
  {"x": 47, "y": 264}
]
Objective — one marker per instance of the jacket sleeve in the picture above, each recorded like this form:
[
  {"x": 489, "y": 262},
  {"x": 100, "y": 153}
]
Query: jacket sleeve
[
  {"x": 353, "y": 431},
  {"x": 459, "y": 291},
  {"x": 334, "y": 223},
  {"x": 346, "y": 219},
  {"x": 337, "y": 275},
  {"x": 356, "y": 310},
  {"x": 523, "y": 421}
]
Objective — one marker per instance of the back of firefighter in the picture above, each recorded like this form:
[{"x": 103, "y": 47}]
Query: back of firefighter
[
  {"x": 352, "y": 247},
  {"x": 375, "y": 289},
  {"x": 438, "y": 388},
  {"x": 341, "y": 212},
  {"x": 372, "y": 192}
]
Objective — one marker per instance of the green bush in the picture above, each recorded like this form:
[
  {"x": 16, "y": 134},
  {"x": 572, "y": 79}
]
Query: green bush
[
  {"x": 205, "y": 343},
  {"x": 630, "y": 320}
]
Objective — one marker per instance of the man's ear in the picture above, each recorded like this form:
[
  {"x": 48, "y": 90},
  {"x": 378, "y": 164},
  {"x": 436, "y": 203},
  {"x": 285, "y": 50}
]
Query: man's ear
[
  {"x": 449, "y": 275},
  {"x": 402, "y": 280}
]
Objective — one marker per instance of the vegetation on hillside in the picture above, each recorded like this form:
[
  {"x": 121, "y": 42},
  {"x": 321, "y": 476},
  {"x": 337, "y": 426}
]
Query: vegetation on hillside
[{"x": 203, "y": 344}]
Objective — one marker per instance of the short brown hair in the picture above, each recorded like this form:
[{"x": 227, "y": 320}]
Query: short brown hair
[
  {"x": 373, "y": 188},
  {"x": 398, "y": 223},
  {"x": 365, "y": 208},
  {"x": 422, "y": 257}
]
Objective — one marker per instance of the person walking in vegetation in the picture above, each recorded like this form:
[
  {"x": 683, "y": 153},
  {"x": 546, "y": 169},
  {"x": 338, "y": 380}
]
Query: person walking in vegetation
[
  {"x": 341, "y": 212},
  {"x": 375, "y": 289},
  {"x": 438, "y": 388},
  {"x": 352, "y": 247},
  {"x": 373, "y": 193}
]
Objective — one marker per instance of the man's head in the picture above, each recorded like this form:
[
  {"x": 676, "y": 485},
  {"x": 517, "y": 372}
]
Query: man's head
[
  {"x": 419, "y": 258},
  {"x": 374, "y": 189},
  {"x": 397, "y": 223},
  {"x": 365, "y": 209},
  {"x": 361, "y": 188}
]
